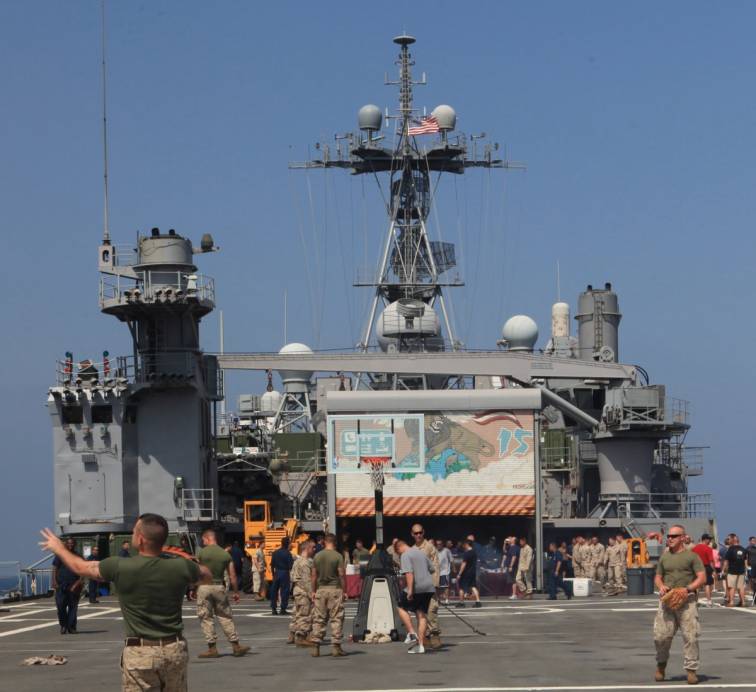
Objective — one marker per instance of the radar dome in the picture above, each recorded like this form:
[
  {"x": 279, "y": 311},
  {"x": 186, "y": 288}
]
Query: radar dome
[
  {"x": 520, "y": 333},
  {"x": 445, "y": 116},
  {"x": 369, "y": 118},
  {"x": 295, "y": 377}
]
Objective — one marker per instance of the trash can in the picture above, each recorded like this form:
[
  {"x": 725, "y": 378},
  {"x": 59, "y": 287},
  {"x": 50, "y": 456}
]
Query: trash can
[
  {"x": 648, "y": 580},
  {"x": 635, "y": 583}
]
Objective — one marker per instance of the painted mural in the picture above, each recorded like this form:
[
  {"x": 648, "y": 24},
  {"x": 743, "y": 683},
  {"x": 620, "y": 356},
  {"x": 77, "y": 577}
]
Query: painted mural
[{"x": 474, "y": 463}]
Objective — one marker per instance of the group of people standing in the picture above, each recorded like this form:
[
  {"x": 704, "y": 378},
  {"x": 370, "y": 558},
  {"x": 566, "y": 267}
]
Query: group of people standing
[{"x": 606, "y": 564}]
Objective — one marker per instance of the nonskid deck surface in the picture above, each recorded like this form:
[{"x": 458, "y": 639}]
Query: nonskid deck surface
[{"x": 584, "y": 644}]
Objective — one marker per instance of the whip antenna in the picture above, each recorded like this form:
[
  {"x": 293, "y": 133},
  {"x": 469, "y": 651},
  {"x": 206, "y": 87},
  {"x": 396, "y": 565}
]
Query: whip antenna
[{"x": 106, "y": 210}]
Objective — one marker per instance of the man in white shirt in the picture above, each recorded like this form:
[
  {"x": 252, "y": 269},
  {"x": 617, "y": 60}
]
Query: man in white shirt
[{"x": 444, "y": 570}]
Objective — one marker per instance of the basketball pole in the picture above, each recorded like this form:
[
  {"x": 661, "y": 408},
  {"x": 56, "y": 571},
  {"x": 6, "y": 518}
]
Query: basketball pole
[{"x": 378, "y": 494}]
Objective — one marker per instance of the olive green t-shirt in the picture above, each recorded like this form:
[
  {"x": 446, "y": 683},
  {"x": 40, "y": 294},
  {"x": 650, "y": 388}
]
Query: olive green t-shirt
[
  {"x": 679, "y": 569},
  {"x": 151, "y": 592},
  {"x": 215, "y": 559},
  {"x": 327, "y": 563}
]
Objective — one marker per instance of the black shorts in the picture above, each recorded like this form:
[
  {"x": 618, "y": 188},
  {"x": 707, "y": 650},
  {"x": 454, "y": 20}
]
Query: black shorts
[
  {"x": 467, "y": 585},
  {"x": 709, "y": 575},
  {"x": 420, "y": 602},
  {"x": 443, "y": 581}
]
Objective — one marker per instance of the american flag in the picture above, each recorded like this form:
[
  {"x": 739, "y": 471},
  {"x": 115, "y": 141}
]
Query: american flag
[{"x": 426, "y": 126}]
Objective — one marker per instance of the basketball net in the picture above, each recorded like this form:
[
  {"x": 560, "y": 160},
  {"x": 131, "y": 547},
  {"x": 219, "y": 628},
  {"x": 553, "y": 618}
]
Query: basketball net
[{"x": 378, "y": 466}]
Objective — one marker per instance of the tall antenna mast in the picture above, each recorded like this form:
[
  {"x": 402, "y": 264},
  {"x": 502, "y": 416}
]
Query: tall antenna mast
[{"x": 106, "y": 209}]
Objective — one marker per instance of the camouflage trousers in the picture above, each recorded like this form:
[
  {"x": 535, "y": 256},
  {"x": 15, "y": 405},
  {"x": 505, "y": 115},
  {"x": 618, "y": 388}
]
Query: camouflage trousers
[
  {"x": 433, "y": 626},
  {"x": 614, "y": 577},
  {"x": 212, "y": 602},
  {"x": 328, "y": 607},
  {"x": 301, "y": 619},
  {"x": 578, "y": 569},
  {"x": 154, "y": 668},
  {"x": 666, "y": 624}
]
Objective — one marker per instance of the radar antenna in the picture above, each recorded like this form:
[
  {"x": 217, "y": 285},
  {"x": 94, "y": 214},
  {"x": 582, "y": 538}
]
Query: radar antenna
[
  {"x": 106, "y": 205},
  {"x": 409, "y": 277}
]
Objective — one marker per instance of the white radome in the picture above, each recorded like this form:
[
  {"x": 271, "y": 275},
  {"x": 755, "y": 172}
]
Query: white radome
[
  {"x": 445, "y": 116},
  {"x": 520, "y": 332},
  {"x": 295, "y": 376}
]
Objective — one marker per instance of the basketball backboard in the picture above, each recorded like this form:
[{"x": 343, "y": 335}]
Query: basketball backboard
[{"x": 353, "y": 439}]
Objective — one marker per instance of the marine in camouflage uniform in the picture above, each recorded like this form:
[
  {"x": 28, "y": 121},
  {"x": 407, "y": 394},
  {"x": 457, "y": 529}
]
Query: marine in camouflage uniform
[
  {"x": 301, "y": 581},
  {"x": 597, "y": 553},
  {"x": 614, "y": 567},
  {"x": 151, "y": 591},
  {"x": 434, "y": 628},
  {"x": 678, "y": 568},
  {"x": 579, "y": 558},
  {"x": 622, "y": 549},
  {"x": 328, "y": 587},
  {"x": 212, "y": 599}
]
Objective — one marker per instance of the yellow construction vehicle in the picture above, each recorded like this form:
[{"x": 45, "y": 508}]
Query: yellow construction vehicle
[
  {"x": 637, "y": 552},
  {"x": 259, "y": 526}
]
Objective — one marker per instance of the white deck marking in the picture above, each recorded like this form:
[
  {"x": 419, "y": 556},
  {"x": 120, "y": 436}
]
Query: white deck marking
[
  {"x": 16, "y": 616},
  {"x": 21, "y": 630},
  {"x": 541, "y": 688}
]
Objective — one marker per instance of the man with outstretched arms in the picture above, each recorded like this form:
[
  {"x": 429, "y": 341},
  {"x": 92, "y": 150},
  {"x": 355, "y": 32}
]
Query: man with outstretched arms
[{"x": 151, "y": 590}]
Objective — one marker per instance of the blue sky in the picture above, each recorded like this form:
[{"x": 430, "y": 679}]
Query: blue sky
[{"x": 636, "y": 122}]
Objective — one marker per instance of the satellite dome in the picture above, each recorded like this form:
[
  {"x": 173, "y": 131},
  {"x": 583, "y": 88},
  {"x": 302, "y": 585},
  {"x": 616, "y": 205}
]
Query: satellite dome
[
  {"x": 369, "y": 118},
  {"x": 520, "y": 332},
  {"x": 445, "y": 116},
  {"x": 289, "y": 377},
  {"x": 270, "y": 401}
]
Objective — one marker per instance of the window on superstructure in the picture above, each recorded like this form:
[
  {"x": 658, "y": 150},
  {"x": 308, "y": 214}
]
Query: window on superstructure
[
  {"x": 72, "y": 415},
  {"x": 102, "y": 414}
]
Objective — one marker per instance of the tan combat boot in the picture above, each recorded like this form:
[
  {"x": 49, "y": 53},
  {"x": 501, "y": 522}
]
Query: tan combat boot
[
  {"x": 336, "y": 650},
  {"x": 434, "y": 641},
  {"x": 302, "y": 641},
  {"x": 692, "y": 677},
  {"x": 315, "y": 651},
  {"x": 291, "y": 639},
  {"x": 661, "y": 669},
  {"x": 238, "y": 649},
  {"x": 212, "y": 652}
]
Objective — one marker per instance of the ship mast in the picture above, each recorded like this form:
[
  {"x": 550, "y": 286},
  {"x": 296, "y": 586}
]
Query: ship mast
[{"x": 409, "y": 280}]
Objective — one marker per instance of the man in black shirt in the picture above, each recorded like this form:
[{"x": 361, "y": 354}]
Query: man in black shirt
[
  {"x": 751, "y": 552},
  {"x": 94, "y": 586},
  {"x": 735, "y": 569},
  {"x": 67, "y": 585},
  {"x": 466, "y": 578},
  {"x": 281, "y": 563}
]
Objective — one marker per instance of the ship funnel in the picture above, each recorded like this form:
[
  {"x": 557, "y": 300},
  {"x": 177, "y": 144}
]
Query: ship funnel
[{"x": 598, "y": 319}]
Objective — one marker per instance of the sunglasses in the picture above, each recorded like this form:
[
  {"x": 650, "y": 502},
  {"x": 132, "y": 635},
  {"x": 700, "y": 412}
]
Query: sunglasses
[{"x": 675, "y": 535}]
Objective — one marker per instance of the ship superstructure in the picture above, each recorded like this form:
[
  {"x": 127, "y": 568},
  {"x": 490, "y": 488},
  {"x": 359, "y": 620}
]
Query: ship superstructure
[{"x": 607, "y": 446}]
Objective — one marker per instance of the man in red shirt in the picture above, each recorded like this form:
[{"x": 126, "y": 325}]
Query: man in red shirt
[{"x": 706, "y": 553}]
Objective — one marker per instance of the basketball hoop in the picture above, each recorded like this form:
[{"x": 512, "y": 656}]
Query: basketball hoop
[{"x": 378, "y": 466}]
